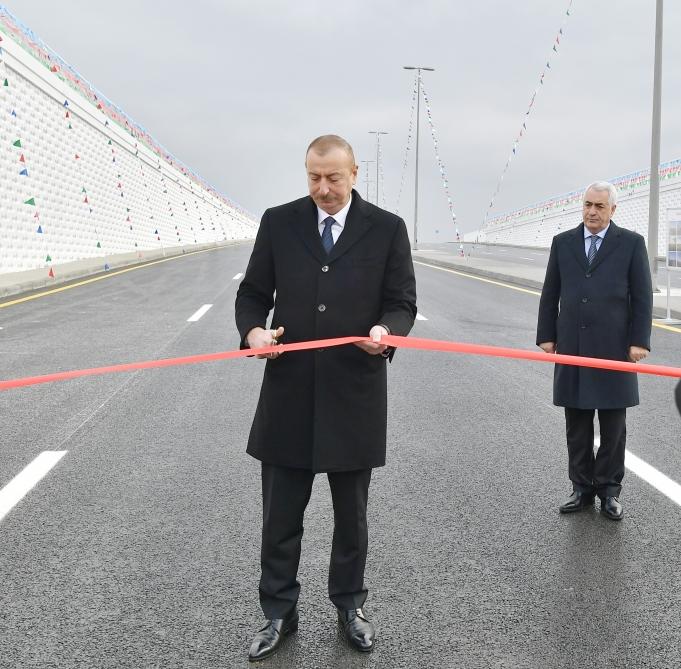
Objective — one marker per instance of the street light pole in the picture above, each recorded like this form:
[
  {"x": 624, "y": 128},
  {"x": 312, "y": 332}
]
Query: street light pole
[
  {"x": 378, "y": 134},
  {"x": 366, "y": 162},
  {"x": 654, "y": 181},
  {"x": 416, "y": 180}
]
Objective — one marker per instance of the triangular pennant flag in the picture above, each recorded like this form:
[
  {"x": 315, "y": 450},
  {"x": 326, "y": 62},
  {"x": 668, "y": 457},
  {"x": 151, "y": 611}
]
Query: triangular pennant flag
[
  {"x": 36, "y": 215},
  {"x": 554, "y": 48},
  {"x": 77, "y": 157},
  {"x": 86, "y": 201},
  {"x": 83, "y": 191},
  {"x": 17, "y": 143},
  {"x": 155, "y": 232},
  {"x": 49, "y": 258},
  {"x": 99, "y": 246},
  {"x": 22, "y": 159},
  {"x": 51, "y": 273},
  {"x": 53, "y": 68},
  {"x": 40, "y": 230},
  {"x": 6, "y": 83},
  {"x": 30, "y": 201},
  {"x": 66, "y": 103},
  {"x": 70, "y": 127},
  {"x": 109, "y": 142},
  {"x": 13, "y": 113},
  {"x": 24, "y": 172},
  {"x": 68, "y": 115}
]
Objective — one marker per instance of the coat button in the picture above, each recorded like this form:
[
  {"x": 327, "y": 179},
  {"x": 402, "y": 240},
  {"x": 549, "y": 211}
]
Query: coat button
[
  {"x": 588, "y": 276},
  {"x": 321, "y": 307},
  {"x": 585, "y": 300},
  {"x": 325, "y": 268}
]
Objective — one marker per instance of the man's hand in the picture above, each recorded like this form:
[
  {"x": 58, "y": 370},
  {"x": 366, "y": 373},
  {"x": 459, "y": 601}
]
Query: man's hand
[
  {"x": 548, "y": 346},
  {"x": 374, "y": 347},
  {"x": 260, "y": 338},
  {"x": 637, "y": 353}
]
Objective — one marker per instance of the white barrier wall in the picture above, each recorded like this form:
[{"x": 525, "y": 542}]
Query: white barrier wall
[
  {"x": 537, "y": 224},
  {"x": 76, "y": 183}
]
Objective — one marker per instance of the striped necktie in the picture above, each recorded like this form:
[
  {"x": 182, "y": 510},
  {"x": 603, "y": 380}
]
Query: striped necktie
[
  {"x": 592, "y": 249},
  {"x": 327, "y": 237}
]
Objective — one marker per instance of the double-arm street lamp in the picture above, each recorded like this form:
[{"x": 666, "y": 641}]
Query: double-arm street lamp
[{"x": 416, "y": 180}]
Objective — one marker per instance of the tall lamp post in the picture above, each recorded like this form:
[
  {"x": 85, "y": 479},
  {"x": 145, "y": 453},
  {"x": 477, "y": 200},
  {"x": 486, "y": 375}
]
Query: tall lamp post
[
  {"x": 378, "y": 134},
  {"x": 416, "y": 180},
  {"x": 366, "y": 163},
  {"x": 654, "y": 193}
]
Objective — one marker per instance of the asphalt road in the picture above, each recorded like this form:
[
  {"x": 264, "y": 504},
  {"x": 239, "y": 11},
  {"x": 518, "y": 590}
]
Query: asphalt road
[{"x": 140, "y": 547}]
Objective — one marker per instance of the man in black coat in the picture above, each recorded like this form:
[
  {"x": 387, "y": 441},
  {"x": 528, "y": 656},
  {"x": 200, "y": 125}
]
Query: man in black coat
[
  {"x": 331, "y": 265},
  {"x": 596, "y": 302}
]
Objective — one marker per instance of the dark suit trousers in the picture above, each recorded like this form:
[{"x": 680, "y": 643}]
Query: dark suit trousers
[
  {"x": 603, "y": 473},
  {"x": 286, "y": 493}
]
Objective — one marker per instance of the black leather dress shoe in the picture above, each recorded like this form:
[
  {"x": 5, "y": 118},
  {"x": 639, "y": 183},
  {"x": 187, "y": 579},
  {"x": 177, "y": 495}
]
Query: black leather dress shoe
[
  {"x": 269, "y": 638},
  {"x": 611, "y": 507},
  {"x": 577, "y": 501},
  {"x": 358, "y": 630}
]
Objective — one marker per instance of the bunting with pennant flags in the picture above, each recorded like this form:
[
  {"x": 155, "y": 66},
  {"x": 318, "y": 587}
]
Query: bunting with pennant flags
[
  {"x": 440, "y": 163},
  {"x": 408, "y": 148},
  {"x": 523, "y": 128}
]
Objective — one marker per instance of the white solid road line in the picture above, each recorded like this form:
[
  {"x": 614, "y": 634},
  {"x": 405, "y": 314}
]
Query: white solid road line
[
  {"x": 420, "y": 317},
  {"x": 26, "y": 479},
  {"x": 650, "y": 475},
  {"x": 236, "y": 277},
  {"x": 199, "y": 313}
]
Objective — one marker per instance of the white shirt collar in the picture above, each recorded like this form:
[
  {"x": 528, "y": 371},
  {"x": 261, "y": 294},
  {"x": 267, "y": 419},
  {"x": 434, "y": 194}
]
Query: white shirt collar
[
  {"x": 339, "y": 216},
  {"x": 600, "y": 234}
]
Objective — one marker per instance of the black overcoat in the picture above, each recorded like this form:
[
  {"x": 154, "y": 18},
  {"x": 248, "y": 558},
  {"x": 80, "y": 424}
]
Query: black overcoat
[
  {"x": 597, "y": 311},
  {"x": 325, "y": 409}
]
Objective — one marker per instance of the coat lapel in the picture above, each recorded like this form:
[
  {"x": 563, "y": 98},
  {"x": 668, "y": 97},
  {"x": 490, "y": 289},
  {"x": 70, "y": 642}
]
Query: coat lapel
[
  {"x": 357, "y": 224},
  {"x": 304, "y": 222},
  {"x": 577, "y": 246},
  {"x": 610, "y": 242}
]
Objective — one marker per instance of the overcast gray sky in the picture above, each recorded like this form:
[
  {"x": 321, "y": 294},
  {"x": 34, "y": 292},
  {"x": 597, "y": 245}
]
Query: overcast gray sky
[{"x": 237, "y": 88}]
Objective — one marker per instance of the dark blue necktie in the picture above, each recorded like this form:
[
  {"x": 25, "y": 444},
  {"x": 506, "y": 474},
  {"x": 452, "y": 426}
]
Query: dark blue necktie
[
  {"x": 327, "y": 237},
  {"x": 592, "y": 249}
]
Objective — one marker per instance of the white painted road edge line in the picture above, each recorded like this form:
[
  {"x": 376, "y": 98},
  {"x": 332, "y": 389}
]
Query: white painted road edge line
[
  {"x": 420, "y": 317},
  {"x": 26, "y": 479},
  {"x": 650, "y": 475},
  {"x": 199, "y": 313},
  {"x": 236, "y": 277}
]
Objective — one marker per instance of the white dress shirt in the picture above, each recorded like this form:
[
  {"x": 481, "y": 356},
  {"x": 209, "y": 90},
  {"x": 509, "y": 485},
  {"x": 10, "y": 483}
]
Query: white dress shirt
[
  {"x": 339, "y": 217},
  {"x": 587, "y": 238}
]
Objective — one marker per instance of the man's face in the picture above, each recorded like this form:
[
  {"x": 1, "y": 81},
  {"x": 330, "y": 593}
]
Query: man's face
[
  {"x": 597, "y": 210},
  {"x": 330, "y": 178}
]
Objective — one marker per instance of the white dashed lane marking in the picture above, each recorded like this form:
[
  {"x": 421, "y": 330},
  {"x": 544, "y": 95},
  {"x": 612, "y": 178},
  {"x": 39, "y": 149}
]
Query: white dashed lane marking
[
  {"x": 26, "y": 479},
  {"x": 195, "y": 317}
]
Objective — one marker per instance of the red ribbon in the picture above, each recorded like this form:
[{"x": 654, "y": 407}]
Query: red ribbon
[{"x": 390, "y": 340}]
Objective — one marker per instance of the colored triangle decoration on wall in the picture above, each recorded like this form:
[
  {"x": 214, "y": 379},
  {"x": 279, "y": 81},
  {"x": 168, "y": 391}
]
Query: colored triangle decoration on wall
[
  {"x": 6, "y": 83},
  {"x": 66, "y": 103},
  {"x": 13, "y": 113},
  {"x": 30, "y": 201},
  {"x": 99, "y": 246},
  {"x": 51, "y": 273},
  {"x": 17, "y": 143},
  {"x": 49, "y": 258},
  {"x": 22, "y": 159},
  {"x": 24, "y": 172},
  {"x": 40, "y": 230}
]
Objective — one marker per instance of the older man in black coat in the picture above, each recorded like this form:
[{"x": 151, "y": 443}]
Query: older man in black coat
[
  {"x": 596, "y": 302},
  {"x": 331, "y": 265}
]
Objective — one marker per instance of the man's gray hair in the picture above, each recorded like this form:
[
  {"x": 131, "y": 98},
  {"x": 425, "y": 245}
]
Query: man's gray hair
[{"x": 601, "y": 186}]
